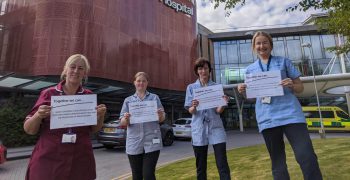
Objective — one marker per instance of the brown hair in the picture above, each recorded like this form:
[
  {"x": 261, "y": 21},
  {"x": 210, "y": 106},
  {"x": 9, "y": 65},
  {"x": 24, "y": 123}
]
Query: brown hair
[
  {"x": 200, "y": 62},
  {"x": 262, "y": 33},
  {"x": 141, "y": 74}
]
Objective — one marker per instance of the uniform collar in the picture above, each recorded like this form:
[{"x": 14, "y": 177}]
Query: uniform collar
[
  {"x": 147, "y": 93},
  {"x": 59, "y": 88},
  {"x": 210, "y": 82}
]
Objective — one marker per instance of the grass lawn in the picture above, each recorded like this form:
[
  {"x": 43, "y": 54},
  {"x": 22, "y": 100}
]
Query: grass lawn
[{"x": 253, "y": 163}]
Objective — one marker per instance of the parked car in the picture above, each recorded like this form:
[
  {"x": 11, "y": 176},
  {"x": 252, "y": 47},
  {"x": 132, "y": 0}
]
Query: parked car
[
  {"x": 3, "y": 153},
  {"x": 113, "y": 135},
  {"x": 182, "y": 128}
]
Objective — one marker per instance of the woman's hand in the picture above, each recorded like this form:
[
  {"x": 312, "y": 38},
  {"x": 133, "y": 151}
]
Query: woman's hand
[
  {"x": 125, "y": 121},
  {"x": 43, "y": 112},
  {"x": 241, "y": 88},
  {"x": 295, "y": 85},
  {"x": 195, "y": 103},
  {"x": 287, "y": 83},
  {"x": 161, "y": 114},
  {"x": 193, "y": 108},
  {"x": 32, "y": 123},
  {"x": 101, "y": 110},
  {"x": 226, "y": 98},
  {"x": 220, "y": 109}
]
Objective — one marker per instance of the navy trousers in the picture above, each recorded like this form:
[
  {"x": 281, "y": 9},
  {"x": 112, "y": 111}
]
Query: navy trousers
[
  {"x": 143, "y": 166},
  {"x": 298, "y": 137},
  {"x": 201, "y": 154}
]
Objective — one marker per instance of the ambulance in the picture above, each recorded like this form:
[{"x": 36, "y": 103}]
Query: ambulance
[{"x": 334, "y": 118}]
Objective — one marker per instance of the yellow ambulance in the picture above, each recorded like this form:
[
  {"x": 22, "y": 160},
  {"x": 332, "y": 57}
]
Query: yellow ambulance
[{"x": 334, "y": 118}]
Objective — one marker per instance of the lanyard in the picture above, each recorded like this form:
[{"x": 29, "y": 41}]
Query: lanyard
[{"x": 268, "y": 64}]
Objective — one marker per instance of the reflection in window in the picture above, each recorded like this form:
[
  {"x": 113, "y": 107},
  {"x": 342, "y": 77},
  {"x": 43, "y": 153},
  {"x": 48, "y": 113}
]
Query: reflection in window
[
  {"x": 278, "y": 49},
  {"x": 316, "y": 46},
  {"x": 223, "y": 52},
  {"x": 229, "y": 74},
  {"x": 217, "y": 74},
  {"x": 328, "y": 41},
  {"x": 294, "y": 50},
  {"x": 3, "y": 5},
  {"x": 246, "y": 52},
  {"x": 232, "y": 53},
  {"x": 216, "y": 53}
]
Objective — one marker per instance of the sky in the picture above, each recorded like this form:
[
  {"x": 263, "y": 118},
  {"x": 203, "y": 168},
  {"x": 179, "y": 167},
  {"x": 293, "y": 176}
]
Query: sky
[{"x": 255, "y": 14}]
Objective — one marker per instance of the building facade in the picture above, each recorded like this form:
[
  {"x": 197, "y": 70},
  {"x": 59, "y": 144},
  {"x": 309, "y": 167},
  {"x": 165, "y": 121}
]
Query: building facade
[
  {"x": 118, "y": 37},
  {"x": 232, "y": 53}
]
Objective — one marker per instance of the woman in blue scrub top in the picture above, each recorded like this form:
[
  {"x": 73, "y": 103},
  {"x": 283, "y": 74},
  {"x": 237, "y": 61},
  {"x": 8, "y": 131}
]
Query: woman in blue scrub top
[
  {"x": 143, "y": 140},
  {"x": 206, "y": 127},
  {"x": 282, "y": 115}
]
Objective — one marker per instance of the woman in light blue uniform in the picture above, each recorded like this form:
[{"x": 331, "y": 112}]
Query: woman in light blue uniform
[
  {"x": 143, "y": 140},
  {"x": 282, "y": 114},
  {"x": 207, "y": 127}
]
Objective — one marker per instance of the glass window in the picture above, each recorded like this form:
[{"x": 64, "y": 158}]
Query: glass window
[
  {"x": 278, "y": 48},
  {"x": 222, "y": 76},
  {"x": 315, "y": 114},
  {"x": 216, "y": 53},
  {"x": 328, "y": 41},
  {"x": 217, "y": 73},
  {"x": 246, "y": 53},
  {"x": 306, "y": 39},
  {"x": 232, "y": 53},
  {"x": 294, "y": 50},
  {"x": 232, "y": 74},
  {"x": 343, "y": 115},
  {"x": 3, "y": 5},
  {"x": 223, "y": 52},
  {"x": 316, "y": 46}
]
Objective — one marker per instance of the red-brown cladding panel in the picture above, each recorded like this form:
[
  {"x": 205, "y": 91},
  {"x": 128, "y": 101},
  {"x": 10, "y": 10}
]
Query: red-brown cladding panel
[{"x": 118, "y": 37}]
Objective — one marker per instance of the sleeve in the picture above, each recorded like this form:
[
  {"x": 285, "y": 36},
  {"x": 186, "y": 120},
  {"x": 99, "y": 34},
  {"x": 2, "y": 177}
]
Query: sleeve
[
  {"x": 125, "y": 108},
  {"x": 247, "y": 71},
  {"x": 291, "y": 70},
  {"x": 159, "y": 104},
  {"x": 189, "y": 97},
  {"x": 44, "y": 99}
]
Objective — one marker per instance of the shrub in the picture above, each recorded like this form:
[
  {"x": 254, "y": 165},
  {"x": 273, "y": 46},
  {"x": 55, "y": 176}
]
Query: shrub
[{"x": 12, "y": 114}]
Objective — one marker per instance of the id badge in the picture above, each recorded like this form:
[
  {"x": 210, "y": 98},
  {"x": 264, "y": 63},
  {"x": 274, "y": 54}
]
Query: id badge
[
  {"x": 155, "y": 140},
  {"x": 69, "y": 138},
  {"x": 266, "y": 100}
]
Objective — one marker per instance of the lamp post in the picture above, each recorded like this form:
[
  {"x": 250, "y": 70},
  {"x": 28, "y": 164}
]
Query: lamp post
[{"x": 321, "y": 131}]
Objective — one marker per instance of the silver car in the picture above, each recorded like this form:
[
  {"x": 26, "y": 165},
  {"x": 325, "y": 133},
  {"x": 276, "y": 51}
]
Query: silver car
[{"x": 182, "y": 128}]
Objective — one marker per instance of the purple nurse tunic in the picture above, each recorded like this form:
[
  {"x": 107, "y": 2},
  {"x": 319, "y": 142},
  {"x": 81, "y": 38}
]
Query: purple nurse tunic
[{"x": 54, "y": 160}]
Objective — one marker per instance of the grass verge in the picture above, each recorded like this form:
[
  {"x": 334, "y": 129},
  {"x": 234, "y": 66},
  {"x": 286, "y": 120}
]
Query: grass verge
[{"x": 253, "y": 163}]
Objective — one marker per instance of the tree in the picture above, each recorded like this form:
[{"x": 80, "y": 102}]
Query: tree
[{"x": 337, "y": 22}]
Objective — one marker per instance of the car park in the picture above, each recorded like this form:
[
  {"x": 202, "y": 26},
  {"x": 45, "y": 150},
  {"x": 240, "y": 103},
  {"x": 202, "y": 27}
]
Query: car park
[
  {"x": 182, "y": 128},
  {"x": 113, "y": 134},
  {"x": 3, "y": 153}
]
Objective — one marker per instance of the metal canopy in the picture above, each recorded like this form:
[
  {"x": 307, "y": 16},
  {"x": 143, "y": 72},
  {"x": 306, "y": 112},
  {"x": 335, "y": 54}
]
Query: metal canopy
[{"x": 108, "y": 90}]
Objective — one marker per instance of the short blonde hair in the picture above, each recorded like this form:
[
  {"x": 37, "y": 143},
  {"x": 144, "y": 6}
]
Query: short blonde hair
[
  {"x": 261, "y": 33},
  {"x": 141, "y": 74},
  {"x": 72, "y": 59}
]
